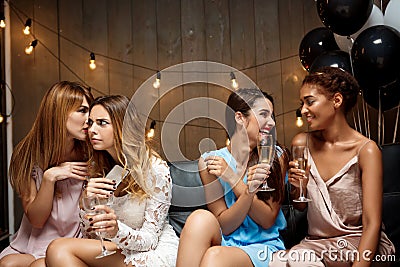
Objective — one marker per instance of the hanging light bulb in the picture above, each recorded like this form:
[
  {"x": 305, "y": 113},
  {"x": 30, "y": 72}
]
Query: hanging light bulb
[
  {"x": 150, "y": 134},
  {"x": 92, "y": 64},
  {"x": 227, "y": 142},
  {"x": 2, "y": 20},
  {"x": 157, "y": 82},
  {"x": 28, "y": 25},
  {"x": 299, "y": 119},
  {"x": 32, "y": 45},
  {"x": 1, "y": 118},
  {"x": 234, "y": 83}
]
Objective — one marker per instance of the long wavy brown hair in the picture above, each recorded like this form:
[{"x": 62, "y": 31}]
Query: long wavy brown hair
[{"x": 45, "y": 143}]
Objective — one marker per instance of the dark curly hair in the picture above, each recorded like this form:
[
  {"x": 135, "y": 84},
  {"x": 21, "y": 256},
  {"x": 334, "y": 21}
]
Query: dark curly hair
[{"x": 331, "y": 80}]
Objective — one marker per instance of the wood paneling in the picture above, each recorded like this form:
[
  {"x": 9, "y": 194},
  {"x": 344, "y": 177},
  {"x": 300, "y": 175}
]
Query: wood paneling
[
  {"x": 119, "y": 27},
  {"x": 259, "y": 36}
]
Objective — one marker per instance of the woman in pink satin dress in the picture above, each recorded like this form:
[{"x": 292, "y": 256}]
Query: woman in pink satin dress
[
  {"x": 47, "y": 171},
  {"x": 344, "y": 180}
]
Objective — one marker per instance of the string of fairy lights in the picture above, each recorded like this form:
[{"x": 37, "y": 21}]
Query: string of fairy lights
[{"x": 27, "y": 30}]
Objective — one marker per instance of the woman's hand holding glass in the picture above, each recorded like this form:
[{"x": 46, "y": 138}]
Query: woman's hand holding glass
[
  {"x": 298, "y": 172},
  {"x": 101, "y": 219},
  {"x": 257, "y": 175}
]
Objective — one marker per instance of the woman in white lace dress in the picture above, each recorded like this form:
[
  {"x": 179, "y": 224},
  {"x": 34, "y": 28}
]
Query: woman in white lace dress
[{"x": 137, "y": 224}]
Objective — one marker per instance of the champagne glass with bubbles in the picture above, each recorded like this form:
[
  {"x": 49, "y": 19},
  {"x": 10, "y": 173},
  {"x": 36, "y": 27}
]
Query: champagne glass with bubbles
[
  {"x": 300, "y": 156},
  {"x": 89, "y": 203},
  {"x": 266, "y": 152}
]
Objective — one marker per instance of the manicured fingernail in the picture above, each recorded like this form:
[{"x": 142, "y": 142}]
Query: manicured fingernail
[
  {"x": 114, "y": 181},
  {"x": 92, "y": 208},
  {"x": 115, "y": 187},
  {"x": 91, "y": 224},
  {"x": 91, "y": 219}
]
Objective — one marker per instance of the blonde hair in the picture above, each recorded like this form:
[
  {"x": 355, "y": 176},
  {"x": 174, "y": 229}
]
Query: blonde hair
[
  {"x": 132, "y": 151},
  {"x": 44, "y": 144}
]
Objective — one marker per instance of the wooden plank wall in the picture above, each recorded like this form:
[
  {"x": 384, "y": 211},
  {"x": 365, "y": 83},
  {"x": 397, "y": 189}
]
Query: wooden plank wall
[{"x": 257, "y": 36}]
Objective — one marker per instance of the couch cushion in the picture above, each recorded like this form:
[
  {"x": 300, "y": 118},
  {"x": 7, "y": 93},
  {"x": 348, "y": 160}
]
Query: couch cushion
[{"x": 187, "y": 192}]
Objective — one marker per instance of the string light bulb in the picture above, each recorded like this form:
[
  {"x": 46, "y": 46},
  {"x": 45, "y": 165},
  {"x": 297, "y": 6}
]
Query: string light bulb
[
  {"x": 2, "y": 20},
  {"x": 92, "y": 61},
  {"x": 1, "y": 118},
  {"x": 32, "y": 45},
  {"x": 234, "y": 83},
  {"x": 157, "y": 82},
  {"x": 151, "y": 132},
  {"x": 299, "y": 119},
  {"x": 28, "y": 25},
  {"x": 227, "y": 141}
]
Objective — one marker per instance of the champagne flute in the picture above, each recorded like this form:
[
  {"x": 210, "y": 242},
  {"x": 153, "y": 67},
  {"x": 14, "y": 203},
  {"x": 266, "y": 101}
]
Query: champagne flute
[
  {"x": 300, "y": 156},
  {"x": 266, "y": 151},
  {"x": 89, "y": 203}
]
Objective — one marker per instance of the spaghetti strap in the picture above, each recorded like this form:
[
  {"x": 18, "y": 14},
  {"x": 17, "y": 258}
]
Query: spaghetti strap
[{"x": 361, "y": 147}]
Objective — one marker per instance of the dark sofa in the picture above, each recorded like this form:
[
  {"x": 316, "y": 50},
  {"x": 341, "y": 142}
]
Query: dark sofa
[{"x": 188, "y": 195}]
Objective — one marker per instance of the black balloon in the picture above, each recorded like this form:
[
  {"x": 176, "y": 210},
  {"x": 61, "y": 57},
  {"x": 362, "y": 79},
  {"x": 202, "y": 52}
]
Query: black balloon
[
  {"x": 314, "y": 43},
  {"x": 376, "y": 56},
  {"x": 389, "y": 95},
  {"x": 337, "y": 58},
  {"x": 344, "y": 17}
]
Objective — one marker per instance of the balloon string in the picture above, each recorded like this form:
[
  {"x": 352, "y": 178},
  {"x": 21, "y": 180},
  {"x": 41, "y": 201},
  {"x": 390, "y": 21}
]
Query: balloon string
[
  {"x": 354, "y": 119},
  {"x": 379, "y": 117},
  {"x": 397, "y": 122},
  {"x": 359, "y": 119},
  {"x": 367, "y": 120},
  {"x": 351, "y": 60}
]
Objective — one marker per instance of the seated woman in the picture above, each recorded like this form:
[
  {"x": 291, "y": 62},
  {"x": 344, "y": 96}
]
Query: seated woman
[
  {"x": 47, "y": 170},
  {"x": 345, "y": 178},
  {"x": 242, "y": 227},
  {"x": 137, "y": 226}
]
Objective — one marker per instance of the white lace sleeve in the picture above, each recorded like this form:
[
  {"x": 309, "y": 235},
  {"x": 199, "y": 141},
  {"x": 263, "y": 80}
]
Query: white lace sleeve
[{"x": 157, "y": 205}]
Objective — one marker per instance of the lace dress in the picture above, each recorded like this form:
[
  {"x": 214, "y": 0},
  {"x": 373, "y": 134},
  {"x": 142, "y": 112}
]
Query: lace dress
[{"x": 145, "y": 236}]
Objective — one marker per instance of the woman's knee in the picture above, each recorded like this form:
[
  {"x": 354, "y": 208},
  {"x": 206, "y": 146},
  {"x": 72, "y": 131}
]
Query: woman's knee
[
  {"x": 58, "y": 249},
  {"x": 201, "y": 219},
  {"x": 212, "y": 256},
  {"x": 15, "y": 260}
]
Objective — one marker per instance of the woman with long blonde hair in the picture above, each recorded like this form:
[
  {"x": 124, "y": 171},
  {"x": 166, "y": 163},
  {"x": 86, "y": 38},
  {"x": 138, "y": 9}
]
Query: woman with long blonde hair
[
  {"x": 47, "y": 171},
  {"x": 137, "y": 223}
]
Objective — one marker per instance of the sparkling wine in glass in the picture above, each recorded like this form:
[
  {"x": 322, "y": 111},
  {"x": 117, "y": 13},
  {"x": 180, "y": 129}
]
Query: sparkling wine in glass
[
  {"x": 266, "y": 151},
  {"x": 300, "y": 156},
  {"x": 89, "y": 203}
]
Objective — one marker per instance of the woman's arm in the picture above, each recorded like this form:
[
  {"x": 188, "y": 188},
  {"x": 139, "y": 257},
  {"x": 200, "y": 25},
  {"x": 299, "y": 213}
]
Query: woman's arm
[
  {"x": 229, "y": 219},
  {"x": 38, "y": 205},
  {"x": 246, "y": 203},
  {"x": 155, "y": 216},
  {"x": 370, "y": 162}
]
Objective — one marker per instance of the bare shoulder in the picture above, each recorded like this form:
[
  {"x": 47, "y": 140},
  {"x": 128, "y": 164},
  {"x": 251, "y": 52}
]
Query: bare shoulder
[{"x": 369, "y": 148}]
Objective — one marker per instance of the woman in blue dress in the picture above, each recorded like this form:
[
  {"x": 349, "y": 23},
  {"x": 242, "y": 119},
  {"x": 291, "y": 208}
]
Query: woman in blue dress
[{"x": 242, "y": 225}]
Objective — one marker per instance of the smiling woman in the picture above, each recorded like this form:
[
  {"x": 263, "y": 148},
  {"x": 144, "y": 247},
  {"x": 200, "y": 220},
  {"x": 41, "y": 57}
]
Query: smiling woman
[
  {"x": 241, "y": 222},
  {"x": 344, "y": 178},
  {"x": 47, "y": 170}
]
